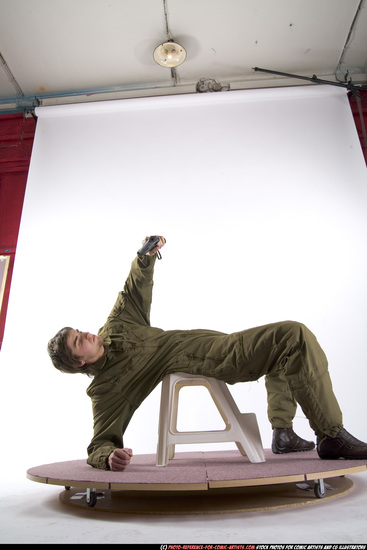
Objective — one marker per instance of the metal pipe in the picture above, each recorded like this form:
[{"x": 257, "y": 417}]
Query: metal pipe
[
  {"x": 39, "y": 98},
  {"x": 354, "y": 22}
]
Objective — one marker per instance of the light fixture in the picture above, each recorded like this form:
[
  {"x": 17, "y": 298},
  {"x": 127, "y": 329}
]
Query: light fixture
[{"x": 169, "y": 54}]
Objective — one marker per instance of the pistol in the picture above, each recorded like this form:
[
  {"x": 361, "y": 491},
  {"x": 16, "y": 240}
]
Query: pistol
[{"x": 148, "y": 246}]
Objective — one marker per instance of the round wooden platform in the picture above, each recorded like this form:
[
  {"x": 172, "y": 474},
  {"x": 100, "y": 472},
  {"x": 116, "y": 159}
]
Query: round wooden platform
[
  {"x": 214, "y": 501},
  {"x": 201, "y": 483}
]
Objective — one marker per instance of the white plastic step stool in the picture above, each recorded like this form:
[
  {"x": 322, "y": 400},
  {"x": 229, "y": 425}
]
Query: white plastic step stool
[{"x": 241, "y": 428}]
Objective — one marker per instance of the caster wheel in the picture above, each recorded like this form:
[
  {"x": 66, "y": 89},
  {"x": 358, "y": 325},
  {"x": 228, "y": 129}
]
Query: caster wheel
[
  {"x": 319, "y": 489},
  {"x": 91, "y": 498}
]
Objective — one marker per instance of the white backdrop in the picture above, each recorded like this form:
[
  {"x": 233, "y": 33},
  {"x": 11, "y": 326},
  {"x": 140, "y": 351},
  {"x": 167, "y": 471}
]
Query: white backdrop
[{"x": 261, "y": 196}]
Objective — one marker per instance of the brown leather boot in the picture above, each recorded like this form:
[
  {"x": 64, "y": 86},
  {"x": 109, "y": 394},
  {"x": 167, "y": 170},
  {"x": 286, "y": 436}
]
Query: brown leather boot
[
  {"x": 285, "y": 440},
  {"x": 343, "y": 445}
]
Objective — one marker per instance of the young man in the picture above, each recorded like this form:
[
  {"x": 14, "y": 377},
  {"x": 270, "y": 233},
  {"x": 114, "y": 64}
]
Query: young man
[{"x": 128, "y": 358}]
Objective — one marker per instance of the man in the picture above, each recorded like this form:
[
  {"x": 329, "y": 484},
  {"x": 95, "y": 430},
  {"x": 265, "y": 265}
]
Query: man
[{"x": 128, "y": 358}]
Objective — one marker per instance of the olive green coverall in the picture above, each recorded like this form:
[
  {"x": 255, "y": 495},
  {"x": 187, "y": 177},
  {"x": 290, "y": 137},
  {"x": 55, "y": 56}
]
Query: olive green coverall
[{"x": 138, "y": 356}]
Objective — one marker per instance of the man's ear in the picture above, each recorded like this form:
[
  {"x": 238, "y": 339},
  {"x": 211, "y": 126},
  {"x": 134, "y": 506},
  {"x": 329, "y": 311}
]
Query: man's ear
[{"x": 81, "y": 363}]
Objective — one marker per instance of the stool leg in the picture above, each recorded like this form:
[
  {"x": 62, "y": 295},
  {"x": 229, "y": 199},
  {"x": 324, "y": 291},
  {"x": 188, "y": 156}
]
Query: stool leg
[
  {"x": 171, "y": 451},
  {"x": 243, "y": 425},
  {"x": 162, "y": 454},
  {"x": 168, "y": 411}
]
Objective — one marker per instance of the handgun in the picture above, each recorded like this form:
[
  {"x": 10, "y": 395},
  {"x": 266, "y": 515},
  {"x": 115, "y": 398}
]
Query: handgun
[{"x": 148, "y": 246}]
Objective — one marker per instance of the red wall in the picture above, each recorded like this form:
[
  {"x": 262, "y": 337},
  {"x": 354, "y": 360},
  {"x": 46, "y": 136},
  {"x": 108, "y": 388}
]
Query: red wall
[
  {"x": 16, "y": 140},
  {"x": 358, "y": 107}
]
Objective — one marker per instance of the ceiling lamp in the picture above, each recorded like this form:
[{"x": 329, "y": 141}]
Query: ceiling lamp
[{"x": 169, "y": 54}]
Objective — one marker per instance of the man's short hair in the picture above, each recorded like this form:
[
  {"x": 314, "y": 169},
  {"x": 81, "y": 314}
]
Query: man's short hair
[{"x": 62, "y": 356}]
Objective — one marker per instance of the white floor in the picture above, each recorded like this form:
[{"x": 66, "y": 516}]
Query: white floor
[{"x": 31, "y": 513}]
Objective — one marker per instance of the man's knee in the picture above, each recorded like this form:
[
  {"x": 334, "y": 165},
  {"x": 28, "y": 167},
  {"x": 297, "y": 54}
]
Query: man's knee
[
  {"x": 293, "y": 332},
  {"x": 304, "y": 338},
  {"x": 306, "y": 361}
]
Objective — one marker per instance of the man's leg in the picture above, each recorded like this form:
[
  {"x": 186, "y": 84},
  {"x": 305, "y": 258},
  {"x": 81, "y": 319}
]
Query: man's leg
[
  {"x": 293, "y": 349},
  {"x": 281, "y": 404},
  {"x": 281, "y": 411},
  {"x": 287, "y": 349},
  {"x": 309, "y": 381},
  {"x": 305, "y": 369}
]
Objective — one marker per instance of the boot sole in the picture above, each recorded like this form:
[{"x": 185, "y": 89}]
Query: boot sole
[
  {"x": 278, "y": 451},
  {"x": 336, "y": 457}
]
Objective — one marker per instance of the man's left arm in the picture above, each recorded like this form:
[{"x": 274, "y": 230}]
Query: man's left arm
[
  {"x": 136, "y": 298},
  {"x": 112, "y": 413}
]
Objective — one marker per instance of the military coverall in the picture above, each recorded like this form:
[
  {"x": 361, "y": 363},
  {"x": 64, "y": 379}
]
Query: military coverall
[{"x": 138, "y": 356}]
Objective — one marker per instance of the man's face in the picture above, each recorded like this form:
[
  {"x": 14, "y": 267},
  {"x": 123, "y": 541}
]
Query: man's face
[{"x": 88, "y": 348}]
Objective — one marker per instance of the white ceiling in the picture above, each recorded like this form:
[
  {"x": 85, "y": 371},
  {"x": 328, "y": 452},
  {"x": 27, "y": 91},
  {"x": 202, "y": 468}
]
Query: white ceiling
[{"x": 64, "y": 51}]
